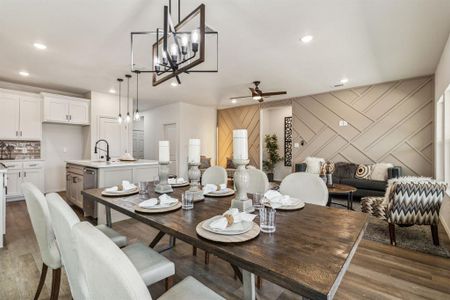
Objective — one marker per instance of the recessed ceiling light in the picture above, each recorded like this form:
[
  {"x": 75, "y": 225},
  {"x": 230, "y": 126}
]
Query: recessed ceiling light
[
  {"x": 233, "y": 101},
  {"x": 112, "y": 91},
  {"x": 39, "y": 46},
  {"x": 344, "y": 80},
  {"x": 174, "y": 84},
  {"x": 307, "y": 38},
  {"x": 24, "y": 73}
]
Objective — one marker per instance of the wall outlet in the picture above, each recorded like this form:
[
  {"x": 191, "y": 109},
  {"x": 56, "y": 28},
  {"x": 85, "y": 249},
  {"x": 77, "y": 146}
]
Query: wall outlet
[
  {"x": 65, "y": 149},
  {"x": 296, "y": 145},
  {"x": 343, "y": 123}
]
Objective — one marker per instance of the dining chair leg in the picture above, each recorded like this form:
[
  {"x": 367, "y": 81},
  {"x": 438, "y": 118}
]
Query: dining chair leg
[
  {"x": 392, "y": 234},
  {"x": 258, "y": 282},
  {"x": 168, "y": 283},
  {"x": 435, "y": 234},
  {"x": 194, "y": 251},
  {"x": 206, "y": 258},
  {"x": 56, "y": 282},
  {"x": 41, "y": 281}
]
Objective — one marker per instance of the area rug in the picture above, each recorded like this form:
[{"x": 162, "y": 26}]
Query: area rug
[{"x": 416, "y": 238}]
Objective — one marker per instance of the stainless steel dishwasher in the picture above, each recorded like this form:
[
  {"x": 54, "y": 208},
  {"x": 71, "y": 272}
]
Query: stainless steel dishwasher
[{"x": 89, "y": 182}]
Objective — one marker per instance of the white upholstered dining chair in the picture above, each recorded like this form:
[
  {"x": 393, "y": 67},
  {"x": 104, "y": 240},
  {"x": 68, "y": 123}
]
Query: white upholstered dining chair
[
  {"x": 151, "y": 265},
  {"x": 259, "y": 183},
  {"x": 110, "y": 274},
  {"x": 42, "y": 226},
  {"x": 214, "y": 175},
  {"x": 305, "y": 186}
]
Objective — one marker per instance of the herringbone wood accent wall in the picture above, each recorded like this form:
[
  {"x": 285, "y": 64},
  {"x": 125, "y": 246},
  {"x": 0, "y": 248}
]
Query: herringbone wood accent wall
[
  {"x": 388, "y": 122},
  {"x": 244, "y": 117}
]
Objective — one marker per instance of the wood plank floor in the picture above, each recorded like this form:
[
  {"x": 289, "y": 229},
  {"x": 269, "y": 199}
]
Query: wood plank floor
[{"x": 377, "y": 271}]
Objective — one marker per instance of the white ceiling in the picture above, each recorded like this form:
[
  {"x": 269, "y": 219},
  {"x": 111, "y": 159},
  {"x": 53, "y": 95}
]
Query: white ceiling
[{"x": 367, "y": 41}]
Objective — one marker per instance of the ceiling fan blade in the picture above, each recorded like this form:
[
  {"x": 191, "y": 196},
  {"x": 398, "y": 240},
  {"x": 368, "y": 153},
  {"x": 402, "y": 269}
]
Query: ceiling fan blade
[
  {"x": 240, "y": 97},
  {"x": 268, "y": 94},
  {"x": 253, "y": 91}
]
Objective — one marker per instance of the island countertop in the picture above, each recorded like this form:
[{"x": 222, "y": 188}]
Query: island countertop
[{"x": 112, "y": 164}]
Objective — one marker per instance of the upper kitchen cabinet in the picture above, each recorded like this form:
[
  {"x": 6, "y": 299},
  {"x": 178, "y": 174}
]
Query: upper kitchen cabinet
[
  {"x": 64, "y": 109},
  {"x": 20, "y": 116}
]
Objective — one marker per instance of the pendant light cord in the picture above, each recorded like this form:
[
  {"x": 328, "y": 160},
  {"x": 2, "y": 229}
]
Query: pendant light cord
[
  {"x": 137, "y": 91},
  {"x": 128, "y": 93},
  {"x": 120, "y": 95}
]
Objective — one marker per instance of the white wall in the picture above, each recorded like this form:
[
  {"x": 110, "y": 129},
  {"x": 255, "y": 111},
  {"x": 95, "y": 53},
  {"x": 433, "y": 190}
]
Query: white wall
[
  {"x": 60, "y": 143},
  {"x": 273, "y": 123},
  {"x": 442, "y": 74},
  {"x": 192, "y": 121}
]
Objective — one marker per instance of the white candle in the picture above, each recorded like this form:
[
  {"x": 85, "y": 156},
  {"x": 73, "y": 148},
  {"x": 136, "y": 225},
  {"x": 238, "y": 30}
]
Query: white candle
[
  {"x": 194, "y": 151},
  {"x": 164, "y": 153},
  {"x": 240, "y": 144}
]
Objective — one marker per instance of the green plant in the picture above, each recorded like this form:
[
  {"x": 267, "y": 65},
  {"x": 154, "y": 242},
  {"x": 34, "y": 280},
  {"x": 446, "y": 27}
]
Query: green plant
[{"x": 271, "y": 145}]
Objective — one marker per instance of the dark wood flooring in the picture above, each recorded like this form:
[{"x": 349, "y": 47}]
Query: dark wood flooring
[{"x": 377, "y": 271}]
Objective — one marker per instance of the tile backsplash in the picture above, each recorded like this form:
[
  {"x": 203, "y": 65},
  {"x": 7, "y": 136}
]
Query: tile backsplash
[{"x": 20, "y": 150}]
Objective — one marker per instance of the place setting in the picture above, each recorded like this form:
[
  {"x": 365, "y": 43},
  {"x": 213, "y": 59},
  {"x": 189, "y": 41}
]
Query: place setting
[
  {"x": 276, "y": 200},
  {"x": 221, "y": 190},
  {"x": 163, "y": 203},
  {"x": 124, "y": 189},
  {"x": 178, "y": 182}
]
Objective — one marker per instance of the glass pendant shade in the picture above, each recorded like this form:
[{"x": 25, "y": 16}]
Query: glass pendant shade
[{"x": 119, "y": 117}]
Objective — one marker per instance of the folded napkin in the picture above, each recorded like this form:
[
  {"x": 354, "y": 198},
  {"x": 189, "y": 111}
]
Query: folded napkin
[
  {"x": 209, "y": 188},
  {"x": 164, "y": 200},
  {"x": 178, "y": 180},
  {"x": 238, "y": 217},
  {"x": 276, "y": 199},
  {"x": 126, "y": 187}
]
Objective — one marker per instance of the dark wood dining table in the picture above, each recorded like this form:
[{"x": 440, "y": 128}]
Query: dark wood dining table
[{"x": 308, "y": 254}]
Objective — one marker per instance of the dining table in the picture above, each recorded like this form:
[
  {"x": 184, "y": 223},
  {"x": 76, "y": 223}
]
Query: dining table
[{"x": 308, "y": 254}]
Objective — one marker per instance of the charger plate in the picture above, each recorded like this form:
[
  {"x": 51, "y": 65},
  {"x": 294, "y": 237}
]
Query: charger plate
[
  {"x": 120, "y": 194},
  {"x": 238, "y": 238},
  {"x": 230, "y": 192},
  {"x": 234, "y": 229},
  {"x": 139, "y": 209},
  {"x": 297, "y": 206},
  {"x": 175, "y": 185}
]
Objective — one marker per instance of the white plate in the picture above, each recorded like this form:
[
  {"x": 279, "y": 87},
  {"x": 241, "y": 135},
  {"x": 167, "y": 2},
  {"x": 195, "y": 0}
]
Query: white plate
[
  {"x": 236, "y": 228},
  {"x": 121, "y": 193},
  {"x": 160, "y": 206},
  {"x": 298, "y": 204},
  {"x": 221, "y": 193},
  {"x": 180, "y": 184}
]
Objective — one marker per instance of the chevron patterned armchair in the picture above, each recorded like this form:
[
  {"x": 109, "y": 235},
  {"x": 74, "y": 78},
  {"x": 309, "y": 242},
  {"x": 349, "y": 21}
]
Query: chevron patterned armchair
[{"x": 408, "y": 201}]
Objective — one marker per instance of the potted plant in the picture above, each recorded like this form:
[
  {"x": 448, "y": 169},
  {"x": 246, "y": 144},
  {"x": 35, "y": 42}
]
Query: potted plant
[{"x": 271, "y": 145}]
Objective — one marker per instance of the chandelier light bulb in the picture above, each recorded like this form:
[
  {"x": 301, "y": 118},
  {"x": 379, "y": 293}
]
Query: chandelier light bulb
[
  {"x": 127, "y": 118},
  {"x": 137, "y": 116},
  {"x": 184, "y": 40},
  {"x": 194, "y": 36},
  {"x": 119, "y": 119},
  {"x": 164, "y": 58}
]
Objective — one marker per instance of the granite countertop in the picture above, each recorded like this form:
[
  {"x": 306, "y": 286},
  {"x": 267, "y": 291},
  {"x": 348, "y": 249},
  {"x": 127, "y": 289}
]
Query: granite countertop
[{"x": 96, "y": 164}]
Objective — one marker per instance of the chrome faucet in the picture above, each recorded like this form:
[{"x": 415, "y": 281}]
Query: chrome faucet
[{"x": 108, "y": 158}]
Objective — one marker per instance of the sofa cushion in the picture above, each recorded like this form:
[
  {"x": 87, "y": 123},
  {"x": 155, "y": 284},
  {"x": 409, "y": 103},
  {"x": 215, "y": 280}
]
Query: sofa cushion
[
  {"x": 345, "y": 169},
  {"x": 365, "y": 184},
  {"x": 380, "y": 171},
  {"x": 363, "y": 171}
]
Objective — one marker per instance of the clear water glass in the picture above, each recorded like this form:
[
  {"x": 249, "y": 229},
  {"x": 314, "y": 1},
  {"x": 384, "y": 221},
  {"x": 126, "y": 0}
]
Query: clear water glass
[
  {"x": 267, "y": 219},
  {"x": 187, "y": 200},
  {"x": 258, "y": 200},
  {"x": 143, "y": 187},
  {"x": 155, "y": 180}
]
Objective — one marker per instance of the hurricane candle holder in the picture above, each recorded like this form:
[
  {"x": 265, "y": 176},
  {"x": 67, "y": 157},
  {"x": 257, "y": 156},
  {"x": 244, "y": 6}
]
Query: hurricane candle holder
[
  {"x": 241, "y": 181},
  {"x": 194, "y": 176},
  {"x": 163, "y": 186}
]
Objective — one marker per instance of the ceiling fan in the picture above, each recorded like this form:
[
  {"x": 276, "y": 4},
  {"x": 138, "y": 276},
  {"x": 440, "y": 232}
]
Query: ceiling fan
[{"x": 258, "y": 94}]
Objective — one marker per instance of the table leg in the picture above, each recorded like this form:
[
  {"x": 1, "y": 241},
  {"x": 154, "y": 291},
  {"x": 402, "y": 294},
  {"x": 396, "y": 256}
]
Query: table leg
[
  {"x": 156, "y": 240},
  {"x": 329, "y": 200},
  {"x": 108, "y": 216},
  {"x": 351, "y": 200},
  {"x": 249, "y": 285}
]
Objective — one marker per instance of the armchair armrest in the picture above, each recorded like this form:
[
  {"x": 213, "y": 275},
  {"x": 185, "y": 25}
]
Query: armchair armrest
[
  {"x": 394, "y": 172},
  {"x": 301, "y": 167}
]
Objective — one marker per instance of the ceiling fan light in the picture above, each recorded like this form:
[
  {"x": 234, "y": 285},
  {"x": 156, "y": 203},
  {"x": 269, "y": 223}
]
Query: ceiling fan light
[{"x": 257, "y": 97}]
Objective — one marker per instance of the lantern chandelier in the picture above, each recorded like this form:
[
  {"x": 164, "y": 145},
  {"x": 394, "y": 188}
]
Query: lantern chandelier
[{"x": 177, "y": 48}]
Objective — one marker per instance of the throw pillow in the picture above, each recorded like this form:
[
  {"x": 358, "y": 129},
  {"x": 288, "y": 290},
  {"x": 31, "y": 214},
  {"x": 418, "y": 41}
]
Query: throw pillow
[
  {"x": 327, "y": 168},
  {"x": 313, "y": 164},
  {"x": 205, "y": 162},
  {"x": 364, "y": 171},
  {"x": 345, "y": 170},
  {"x": 230, "y": 164},
  {"x": 380, "y": 171}
]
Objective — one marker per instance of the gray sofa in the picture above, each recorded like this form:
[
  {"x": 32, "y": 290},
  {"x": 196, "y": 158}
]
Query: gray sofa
[{"x": 345, "y": 174}]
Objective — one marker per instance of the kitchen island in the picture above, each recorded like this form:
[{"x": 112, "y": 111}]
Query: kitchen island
[{"x": 87, "y": 174}]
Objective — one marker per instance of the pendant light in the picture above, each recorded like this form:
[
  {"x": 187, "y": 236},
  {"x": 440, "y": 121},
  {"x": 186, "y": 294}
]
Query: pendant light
[
  {"x": 136, "y": 114},
  {"x": 119, "y": 118},
  {"x": 128, "y": 117}
]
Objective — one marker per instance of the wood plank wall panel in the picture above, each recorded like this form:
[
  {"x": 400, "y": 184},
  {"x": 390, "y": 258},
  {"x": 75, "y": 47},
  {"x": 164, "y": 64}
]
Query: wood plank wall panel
[
  {"x": 387, "y": 122},
  {"x": 243, "y": 117}
]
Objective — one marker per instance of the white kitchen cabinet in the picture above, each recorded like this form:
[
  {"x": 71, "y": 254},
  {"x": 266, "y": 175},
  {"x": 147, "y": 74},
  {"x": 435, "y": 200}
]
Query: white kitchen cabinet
[
  {"x": 64, "y": 109},
  {"x": 20, "y": 172},
  {"x": 20, "y": 116},
  {"x": 14, "y": 180},
  {"x": 34, "y": 176}
]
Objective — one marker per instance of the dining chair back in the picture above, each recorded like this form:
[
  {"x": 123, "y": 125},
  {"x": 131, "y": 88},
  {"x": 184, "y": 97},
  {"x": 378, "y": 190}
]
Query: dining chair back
[
  {"x": 259, "y": 183},
  {"x": 42, "y": 226},
  {"x": 214, "y": 175},
  {"x": 109, "y": 273},
  {"x": 64, "y": 218},
  {"x": 305, "y": 186}
]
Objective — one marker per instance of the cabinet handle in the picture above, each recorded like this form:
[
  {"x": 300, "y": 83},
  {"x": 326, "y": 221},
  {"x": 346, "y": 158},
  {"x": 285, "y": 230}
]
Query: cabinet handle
[
  {"x": 24, "y": 174},
  {"x": 19, "y": 174},
  {"x": 21, "y": 133},
  {"x": 70, "y": 117},
  {"x": 17, "y": 133}
]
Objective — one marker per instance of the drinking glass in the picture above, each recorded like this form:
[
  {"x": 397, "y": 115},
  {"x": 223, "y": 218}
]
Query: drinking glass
[
  {"x": 155, "y": 180},
  {"x": 187, "y": 200},
  {"x": 143, "y": 187},
  {"x": 267, "y": 219},
  {"x": 257, "y": 200}
]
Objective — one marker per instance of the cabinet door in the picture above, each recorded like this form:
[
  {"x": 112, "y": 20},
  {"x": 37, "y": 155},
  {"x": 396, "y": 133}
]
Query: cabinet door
[
  {"x": 9, "y": 116},
  {"x": 14, "y": 180},
  {"x": 79, "y": 112},
  {"x": 34, "y": 176},
  {"x": 56, "y": 110},
  {"x": 30, "y": 118}
]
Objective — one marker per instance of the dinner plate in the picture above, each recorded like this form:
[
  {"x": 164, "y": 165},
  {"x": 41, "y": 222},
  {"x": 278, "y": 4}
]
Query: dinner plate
[
  {"x": 234, "y": 229},
  {"x": 180, "y": 184},
  {"x": 297, "y": 205},
  {"x": 227, "y": 192},
  {"x": 160, "y": 206},
  {"x": 120, "y": 193}
]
